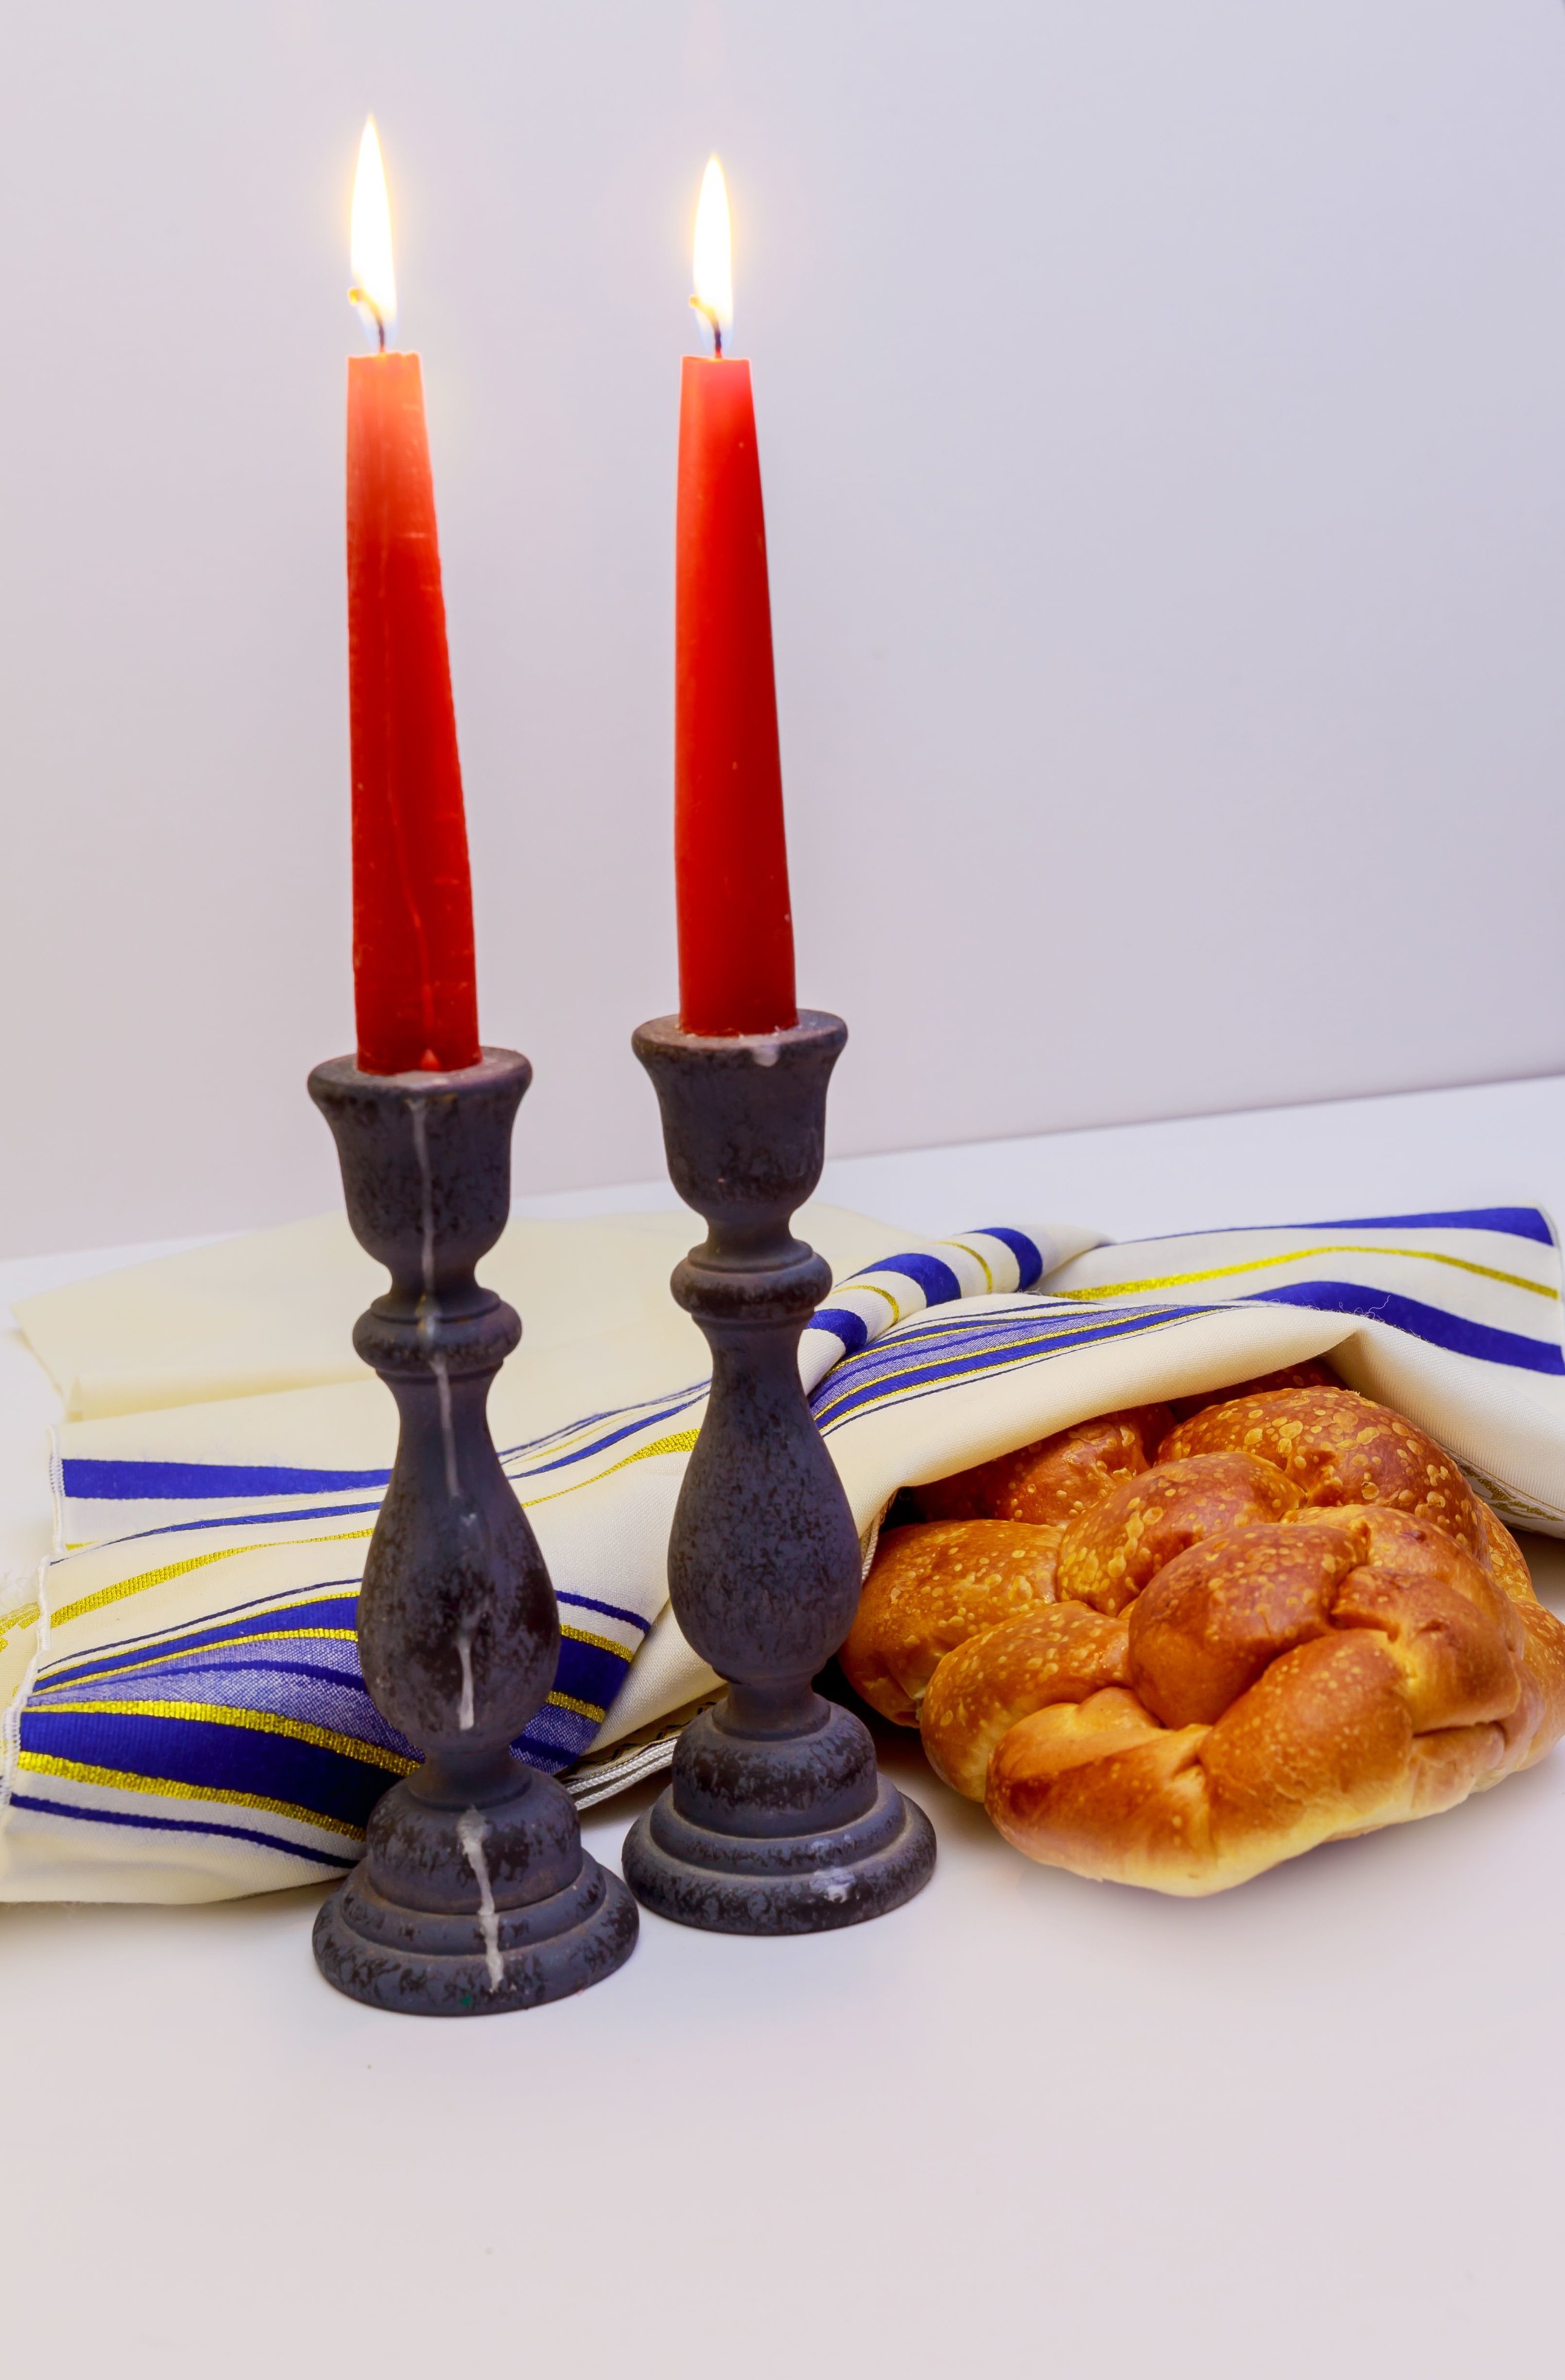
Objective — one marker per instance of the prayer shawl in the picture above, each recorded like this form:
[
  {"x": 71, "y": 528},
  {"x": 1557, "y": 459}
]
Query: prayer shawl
[{"x": 185, "y": 1717}]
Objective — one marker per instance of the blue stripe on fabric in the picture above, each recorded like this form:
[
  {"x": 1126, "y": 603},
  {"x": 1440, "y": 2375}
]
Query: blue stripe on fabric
[
  {"x": 1517, "y": 1222},
  {"x": 151, "y": 1658},
  {"x": 239, "y": 1520},
  {"x": 313, "y": 1512},
  {"x": 180, "y": 1827},
  {"x": 838, "y": 1323},
  {"x": 1514, "y": 1222},
  {"x": 1029, "y": 1254},
  {"x": 157, "y": 1676},
  {"x": 213, "y": 1757},
  {"x": 238, "y": 1612},
  {"x": 935, "y": 1278},
  {"x": 588, "y": 1674},
  {"x": 336, "y": 1611},
  {"x": 94, "y": 1480},
  {"x": 614, "y": 1438},
  {"x": 608, "y": 1611},
  {"x": 1430, "y": 1323},
  {"x": 957, "y": 1352},
  {"x": 667, "y": 1407},
  {"x": 137, "y": 1482},
  {"x": 555, "y": 1738},
  {"x": 980, "y": 1347},
  {"x": 217, "y": 1757}
]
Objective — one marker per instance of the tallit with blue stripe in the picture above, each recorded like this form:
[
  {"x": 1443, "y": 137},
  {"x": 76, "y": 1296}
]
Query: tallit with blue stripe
[{"x": 190, "y": 1720}]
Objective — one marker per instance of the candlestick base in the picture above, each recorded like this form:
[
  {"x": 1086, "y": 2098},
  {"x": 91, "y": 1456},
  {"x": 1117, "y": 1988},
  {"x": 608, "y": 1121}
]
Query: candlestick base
[
  {"x": 792, "y": 1836},
  {"x": 776, "y": 1821},
  {"x": 571, "y": 1923}
]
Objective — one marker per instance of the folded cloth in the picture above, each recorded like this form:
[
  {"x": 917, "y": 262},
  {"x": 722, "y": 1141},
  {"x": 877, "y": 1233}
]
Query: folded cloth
[{"x": 189, "y": 1720}]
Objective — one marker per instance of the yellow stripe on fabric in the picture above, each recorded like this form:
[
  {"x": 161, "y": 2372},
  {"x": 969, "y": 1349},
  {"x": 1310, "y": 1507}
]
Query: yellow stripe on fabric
[
  {"x": 947, "y": 1326},
  {"x": 149, "y": 1578},
  {"x": 13, "y": 1622},
  {"x": 583, "y": 1710},
  {"x": 349, "y": 1747},
  {"x": 266, "y": 1636},
  {"x": 125, "y": 1780},
  {"x": 916, "y": 1379},
  {"x": 680, "y": 1443},
  {"x": 558, "y": 1443},
  {"x": 194, "y": 1653},
  {"x": 1307, "y": 1255},
  {"x": 599, "y": 1643},
  {"x": 976, "y": 1255},
  {"x": 933, "y": 1365},
  {"x": 929, "y": 1346},
  {"x": 875, "y": 1290}
]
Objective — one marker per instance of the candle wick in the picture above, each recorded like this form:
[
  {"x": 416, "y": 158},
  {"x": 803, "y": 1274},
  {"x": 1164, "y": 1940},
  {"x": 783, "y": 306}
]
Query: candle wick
[
  {"x": 362, "y": 297},
  {"x": 710, "y": 320}
]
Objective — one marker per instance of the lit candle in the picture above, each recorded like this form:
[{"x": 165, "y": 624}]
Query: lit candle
[
  {"x": 731, "y": 859},
  {"x": 414, "y": 991}
]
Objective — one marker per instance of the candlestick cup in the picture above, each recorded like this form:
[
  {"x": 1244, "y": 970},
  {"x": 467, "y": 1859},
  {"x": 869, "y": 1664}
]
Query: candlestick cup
[
  {"x": 776, "y": 1820},
  {"x": 474, "y": 1894}
]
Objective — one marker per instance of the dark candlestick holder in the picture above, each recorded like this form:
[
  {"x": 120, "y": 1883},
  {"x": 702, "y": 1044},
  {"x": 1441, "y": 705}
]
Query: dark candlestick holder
[
  {"x": 776, "y": 1820},
  {"x": 474, "y": 1894}
]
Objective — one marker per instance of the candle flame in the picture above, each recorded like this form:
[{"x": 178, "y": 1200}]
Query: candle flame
[
  {"x": 714, "y": 255},
  {"x": 369, "y": 245}
]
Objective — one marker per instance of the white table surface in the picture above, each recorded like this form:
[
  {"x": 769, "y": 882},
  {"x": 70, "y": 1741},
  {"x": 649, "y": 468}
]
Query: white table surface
[{"x": 1315, "y": 2125}]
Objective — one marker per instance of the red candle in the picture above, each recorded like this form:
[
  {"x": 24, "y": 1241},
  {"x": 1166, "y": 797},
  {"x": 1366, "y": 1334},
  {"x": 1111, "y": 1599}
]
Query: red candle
[
  {"x": 414, "y": 985},
  {"x": 730, "y": 859}
]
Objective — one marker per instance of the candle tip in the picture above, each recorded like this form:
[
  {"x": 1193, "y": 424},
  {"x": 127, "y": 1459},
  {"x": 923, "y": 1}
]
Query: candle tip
[
  {"x": 714, "y": 255},
  {"x": 374, "y": 290}
]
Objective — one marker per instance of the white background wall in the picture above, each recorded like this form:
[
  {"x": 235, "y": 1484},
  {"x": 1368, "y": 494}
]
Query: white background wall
[{"x": 1162, "y": 413}]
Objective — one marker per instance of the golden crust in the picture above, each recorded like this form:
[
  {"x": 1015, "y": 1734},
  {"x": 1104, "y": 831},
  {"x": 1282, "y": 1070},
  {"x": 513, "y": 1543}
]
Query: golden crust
[
  {"x": 1060, "y": 1654},
  {"x": 1337, "y": 1448},
  {"x": 1217, "y": 1616},
  {"x": 931, "y": 1587},
  {"x": 1056, "y": 1478},
  {"x": 1111, "y": 1794},
  {"x": 1108, "y": 1554},
  {"x": 1539, "y": 1722},
  {"x": 1503, "y": 1558},
  {"x": 1298, "y": 1624},
  {"x": 1416, "y": 1549}
]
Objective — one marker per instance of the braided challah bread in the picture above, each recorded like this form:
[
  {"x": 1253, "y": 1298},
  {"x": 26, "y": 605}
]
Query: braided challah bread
[{"x": 1279, "y": 1618}]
